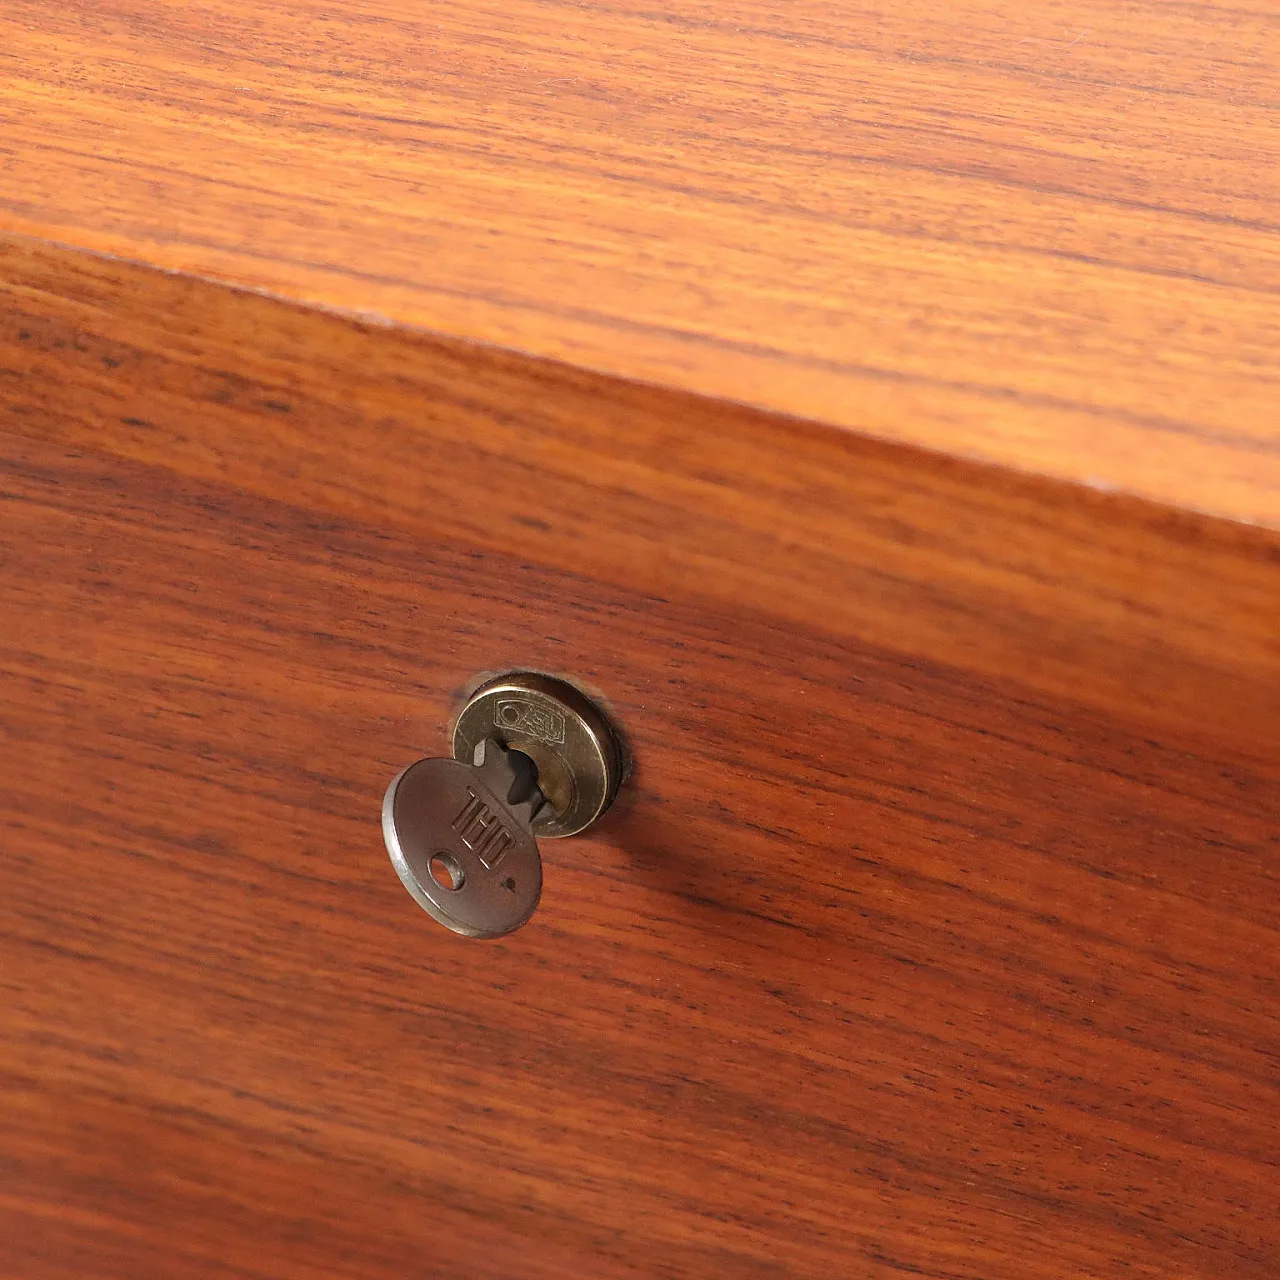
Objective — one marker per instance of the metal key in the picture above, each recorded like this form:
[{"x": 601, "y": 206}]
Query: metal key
[{"x": 461, "y": 838}]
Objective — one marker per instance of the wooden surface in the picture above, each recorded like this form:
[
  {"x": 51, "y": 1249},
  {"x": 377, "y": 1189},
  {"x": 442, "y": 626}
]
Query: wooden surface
[
  {"x": 839, "y": 391},
  {"x": 936, "y": 934},
  {"x": 1171, "y": 619},
  {"x": 1036, "y": 233}
]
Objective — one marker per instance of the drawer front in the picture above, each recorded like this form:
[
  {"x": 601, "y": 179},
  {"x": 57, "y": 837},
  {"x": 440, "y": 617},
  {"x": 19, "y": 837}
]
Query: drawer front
[
  {"x": 935, "y": 931},
  {"x": 870, "y": 966}
]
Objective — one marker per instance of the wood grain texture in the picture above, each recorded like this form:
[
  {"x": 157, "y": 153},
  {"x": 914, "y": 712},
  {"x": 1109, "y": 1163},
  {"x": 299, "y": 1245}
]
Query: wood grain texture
[
  {"x": 1035, "y": 233},
  {"x": 936, "y": 933},
  {"x": 1131, "y": 608}
]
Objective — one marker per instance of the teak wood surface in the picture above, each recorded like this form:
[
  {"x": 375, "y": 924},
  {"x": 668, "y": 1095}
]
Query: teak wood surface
[
  {"x": 876, "y": 408},
  {"x": 1039, "y": 233}
]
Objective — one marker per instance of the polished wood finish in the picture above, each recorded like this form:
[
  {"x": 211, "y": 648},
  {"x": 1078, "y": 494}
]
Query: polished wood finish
[
  {"x": 1038, "y": 234},
  {"x": 1129, "y": 607},
  {"x": 935, "y": 934},
  {"x": 878, "y": 407}
]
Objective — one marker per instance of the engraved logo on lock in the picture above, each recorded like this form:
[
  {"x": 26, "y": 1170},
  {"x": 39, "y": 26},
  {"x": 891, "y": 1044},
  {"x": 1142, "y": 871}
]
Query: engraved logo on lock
[
  {"x": 529, "y": 720},
  {"x": 482, "y": 831}
]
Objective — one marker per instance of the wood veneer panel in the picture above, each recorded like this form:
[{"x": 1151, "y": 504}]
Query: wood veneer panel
[{"x": 936, "y": 931}]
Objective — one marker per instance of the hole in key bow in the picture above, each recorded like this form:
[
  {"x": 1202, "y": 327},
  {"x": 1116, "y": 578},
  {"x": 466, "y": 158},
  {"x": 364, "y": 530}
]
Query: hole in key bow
[{"x": 447, "y": 871}]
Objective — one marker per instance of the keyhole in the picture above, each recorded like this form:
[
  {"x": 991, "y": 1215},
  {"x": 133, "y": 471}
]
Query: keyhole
[{"x": 447, "y": 871}]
